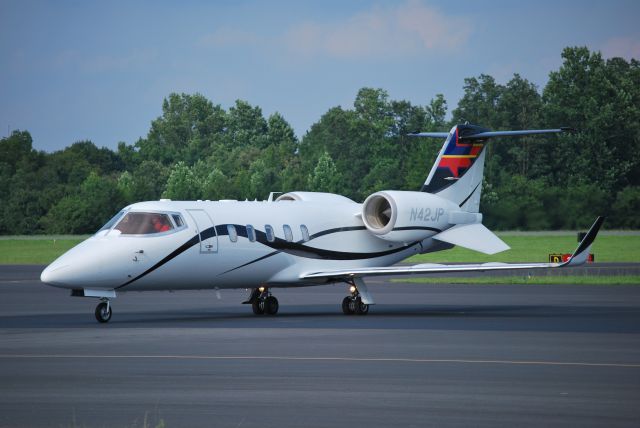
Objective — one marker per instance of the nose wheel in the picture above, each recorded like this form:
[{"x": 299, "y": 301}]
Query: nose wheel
[
  {"x": 262, "y": 302},
  {"x": 103, "y": 311}
]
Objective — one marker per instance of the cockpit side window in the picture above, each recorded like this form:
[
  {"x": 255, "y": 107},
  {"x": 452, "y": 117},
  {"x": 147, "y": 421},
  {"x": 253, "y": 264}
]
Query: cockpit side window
[
  {"x": 178, "y": 220},
  {"x": 137, "y": 223}
]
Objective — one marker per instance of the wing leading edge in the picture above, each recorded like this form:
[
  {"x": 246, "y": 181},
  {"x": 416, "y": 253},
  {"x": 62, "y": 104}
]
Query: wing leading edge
[{"x": 578, "y": 257}]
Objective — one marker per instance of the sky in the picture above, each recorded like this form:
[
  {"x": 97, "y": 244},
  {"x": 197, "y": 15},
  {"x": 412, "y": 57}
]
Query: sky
[{"x": 98, "y": 71}]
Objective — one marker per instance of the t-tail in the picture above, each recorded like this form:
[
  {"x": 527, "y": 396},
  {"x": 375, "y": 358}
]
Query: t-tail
[{"x": 457, "y": 173}]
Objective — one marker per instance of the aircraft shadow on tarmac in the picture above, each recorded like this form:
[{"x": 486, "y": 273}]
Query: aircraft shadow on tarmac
[{"x": 594, "y": 319}]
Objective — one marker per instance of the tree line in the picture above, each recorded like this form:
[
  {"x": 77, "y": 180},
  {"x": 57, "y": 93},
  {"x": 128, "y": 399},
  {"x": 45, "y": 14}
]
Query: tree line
[{"x": 199, "y": 150}]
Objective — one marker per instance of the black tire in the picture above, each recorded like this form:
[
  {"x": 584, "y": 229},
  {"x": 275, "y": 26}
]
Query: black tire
[
  {"x": 258, "y": 307},
  {"x": 361, "y": 308},
  {"x": 271, "y": 305},
  {"x": 346, "y": 306},
  {"x": 103, "y": 312}
]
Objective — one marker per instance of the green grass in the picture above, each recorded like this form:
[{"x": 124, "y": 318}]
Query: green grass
[
  {"x": 537, "y": 280},
  {"x": 537, "y": 247},
  {"x": 524, "y": 248},
  {"x": 27, "y": 250}
]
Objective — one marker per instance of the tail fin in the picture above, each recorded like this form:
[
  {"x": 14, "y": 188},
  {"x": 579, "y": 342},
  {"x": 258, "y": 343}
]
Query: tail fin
[{"x": 457, "y": 173}]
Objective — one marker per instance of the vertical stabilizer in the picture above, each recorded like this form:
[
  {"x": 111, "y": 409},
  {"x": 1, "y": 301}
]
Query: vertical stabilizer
[{"x": 457, "y": 173}]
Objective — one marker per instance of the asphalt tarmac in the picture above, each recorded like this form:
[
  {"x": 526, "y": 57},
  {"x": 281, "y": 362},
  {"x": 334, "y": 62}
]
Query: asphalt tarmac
[{"x": 425, "y": 355}]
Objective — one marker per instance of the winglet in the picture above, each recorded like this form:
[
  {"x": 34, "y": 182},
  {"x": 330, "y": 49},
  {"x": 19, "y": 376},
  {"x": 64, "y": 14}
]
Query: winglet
[{"x": 581, "y": 254}]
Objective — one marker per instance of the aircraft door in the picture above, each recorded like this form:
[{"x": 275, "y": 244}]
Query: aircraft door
[{"x": 206, "y": 230}]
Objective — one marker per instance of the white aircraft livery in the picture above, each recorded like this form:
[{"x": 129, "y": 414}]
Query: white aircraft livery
[{"x": 298, "y": 239}]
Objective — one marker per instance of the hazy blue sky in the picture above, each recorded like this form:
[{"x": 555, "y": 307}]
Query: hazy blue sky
[{"x": 81, "y": 70}]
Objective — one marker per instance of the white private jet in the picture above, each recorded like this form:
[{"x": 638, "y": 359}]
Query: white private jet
[{"x": 299, "y": 239}]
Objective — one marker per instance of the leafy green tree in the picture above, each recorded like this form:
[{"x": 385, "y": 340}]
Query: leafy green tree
[
  {"x": 14, "y": 150},
  {"x": 214, "y": 185},
  {"x": 184, "y": 131},
  {"x": 479, "y": 104},
  {"x": 182, "y": 183},
  {"x": 325, "y": 176},
  {"x": 84, "y": 212},
  {"x": 626, "y": 208},
  {"x": 246, "y": 126},
  {"x": 601, "y": 99},
  {"x": 436, "y": 112},
  {"x": 149, "y": 181}
]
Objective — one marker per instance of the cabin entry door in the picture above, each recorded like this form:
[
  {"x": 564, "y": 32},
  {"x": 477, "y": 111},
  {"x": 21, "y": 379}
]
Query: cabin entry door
[{"x": 206, "y": 231}]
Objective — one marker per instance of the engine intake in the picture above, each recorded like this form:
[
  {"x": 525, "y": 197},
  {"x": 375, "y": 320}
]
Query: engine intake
[
  {"x": 406, "y": 216},
  {"x": 379, "y": 213}
]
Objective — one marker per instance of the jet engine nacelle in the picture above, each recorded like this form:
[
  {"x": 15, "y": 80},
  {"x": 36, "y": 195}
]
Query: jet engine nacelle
[{"x": 407, "y": 216}]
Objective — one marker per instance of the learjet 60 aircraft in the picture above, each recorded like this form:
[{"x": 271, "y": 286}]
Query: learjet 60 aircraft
[{"x": 298, "y": 239}]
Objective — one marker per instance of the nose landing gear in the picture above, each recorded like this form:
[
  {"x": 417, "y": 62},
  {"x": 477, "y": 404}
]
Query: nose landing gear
[
  {"x": 103, "y": 311},
  {"x": 262, "y": 302}
]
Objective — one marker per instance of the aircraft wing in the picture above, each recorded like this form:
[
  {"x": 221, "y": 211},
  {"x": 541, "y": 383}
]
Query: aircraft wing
[{"x": 578, "y": 257}]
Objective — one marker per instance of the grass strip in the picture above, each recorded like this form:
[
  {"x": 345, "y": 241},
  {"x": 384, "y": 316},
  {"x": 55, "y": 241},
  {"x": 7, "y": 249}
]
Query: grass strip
[
  {"x": 536, "y": 248},
  {"x": 532, "y": 280},
  {"x": 34, "y": 251}
]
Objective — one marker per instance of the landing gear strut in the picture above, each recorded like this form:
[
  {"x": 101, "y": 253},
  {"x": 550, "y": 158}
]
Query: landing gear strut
[
  {"x": 103, "y": 311},
  {"x": 353, "y": 305},
  {"x": 262, "y": 302}
]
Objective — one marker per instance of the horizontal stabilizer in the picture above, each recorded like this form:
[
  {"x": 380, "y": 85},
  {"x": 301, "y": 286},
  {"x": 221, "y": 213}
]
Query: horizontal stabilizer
[
  {"x": 474, "y": 237},
  {"x": 489, "y": 134},
  {"x": 430, "y": 134}
]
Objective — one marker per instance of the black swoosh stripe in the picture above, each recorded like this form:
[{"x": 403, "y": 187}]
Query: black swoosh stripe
[
  {"x": 299, "y": 250},
  {"x": 336, "y": 230},
  {"x": 251, "y": 262},
  {"x": 279, "y": 244},
  {"x": 432, "y": 229},
  {"x": 181, "y": 249}
]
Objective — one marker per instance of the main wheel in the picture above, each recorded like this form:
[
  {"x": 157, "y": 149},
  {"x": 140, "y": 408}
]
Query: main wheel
[
  {"x": 103, "y": 312},
  {"x": 271, "y": 305},
  {"x": 346, "y": 306},
  {"x": 258, "y": 306}
]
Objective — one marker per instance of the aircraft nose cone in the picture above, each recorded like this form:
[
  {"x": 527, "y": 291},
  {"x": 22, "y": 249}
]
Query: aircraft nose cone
[{"x": 55, "y": 275}]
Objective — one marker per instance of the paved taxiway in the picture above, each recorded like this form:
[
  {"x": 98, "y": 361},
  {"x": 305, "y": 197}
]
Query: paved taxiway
[{"x": 426, "y": 355}]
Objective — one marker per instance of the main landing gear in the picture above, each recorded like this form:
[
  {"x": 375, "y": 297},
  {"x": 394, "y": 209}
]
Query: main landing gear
[
  {"x": 262, "y": 302},
  {"x": 354, "y": 303},
  {"x": 103, "y": 311}
]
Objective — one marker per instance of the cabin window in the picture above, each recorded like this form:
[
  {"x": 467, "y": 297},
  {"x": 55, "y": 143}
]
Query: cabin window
[
  {"x": 136, "y": 223},
  {"x": 288, "y": 234},
  {"x": 251, "y": 233},
  {"x": 305, "y": 232},
  {"x": 269, "y": 231},
  {"x": 233, "y": 234},
  {"x": 178, "y": 220}
]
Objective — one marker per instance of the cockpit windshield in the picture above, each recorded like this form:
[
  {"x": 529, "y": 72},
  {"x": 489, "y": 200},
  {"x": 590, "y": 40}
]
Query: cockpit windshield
[
  {"x": 137, "y": 223},
  {"x": 108, "y": 225}
]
